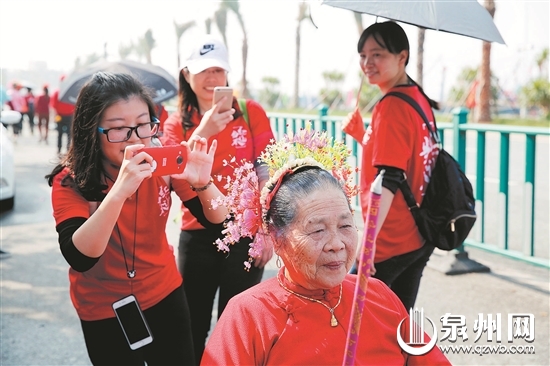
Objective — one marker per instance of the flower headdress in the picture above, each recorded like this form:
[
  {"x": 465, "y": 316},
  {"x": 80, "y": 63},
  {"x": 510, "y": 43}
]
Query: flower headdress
[{"x": 248, "y": 206}]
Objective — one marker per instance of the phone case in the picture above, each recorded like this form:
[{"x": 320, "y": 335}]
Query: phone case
[
  {"x": 167, "y": 160},
  {"x": 219, "y": 93},
  {"x": 133, "y": 323}
]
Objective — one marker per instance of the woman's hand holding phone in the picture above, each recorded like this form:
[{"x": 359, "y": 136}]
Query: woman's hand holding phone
[
  {"x": 198, "y": 170},
  {"x": 135, "y": 167},
  {"x": 214, "y": 121}
]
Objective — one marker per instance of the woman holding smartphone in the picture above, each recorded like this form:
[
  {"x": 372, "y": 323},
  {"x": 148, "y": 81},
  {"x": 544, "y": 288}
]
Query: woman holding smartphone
[
  {"x": 111, "y": 214},
  {"x": 204, "y": 268}
]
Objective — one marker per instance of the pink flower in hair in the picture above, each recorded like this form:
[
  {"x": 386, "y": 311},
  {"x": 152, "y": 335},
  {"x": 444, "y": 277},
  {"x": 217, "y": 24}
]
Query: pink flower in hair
[{"x": 245, "y": 211}]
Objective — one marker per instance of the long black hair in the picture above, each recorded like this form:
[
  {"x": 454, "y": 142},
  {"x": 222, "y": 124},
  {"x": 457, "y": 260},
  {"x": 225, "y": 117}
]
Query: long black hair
[
  {"x": 84, "y": 158},
  {"x": 390, "y": 36},
  {"x": 187, "y": 101}
]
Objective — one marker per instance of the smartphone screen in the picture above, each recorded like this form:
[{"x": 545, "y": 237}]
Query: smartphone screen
[
  {"x": 219, "y": 93},
  {"x": 133, "y": 323}
]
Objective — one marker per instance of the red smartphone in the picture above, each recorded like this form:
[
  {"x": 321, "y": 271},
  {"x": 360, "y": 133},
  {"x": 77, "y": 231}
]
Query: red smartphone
[
  {"x": 219, "y": 93},
  {"x": 167, "y": 160}
]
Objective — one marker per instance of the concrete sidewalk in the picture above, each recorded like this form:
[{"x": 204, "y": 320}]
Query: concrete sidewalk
[{"x": 39, "y": 326}]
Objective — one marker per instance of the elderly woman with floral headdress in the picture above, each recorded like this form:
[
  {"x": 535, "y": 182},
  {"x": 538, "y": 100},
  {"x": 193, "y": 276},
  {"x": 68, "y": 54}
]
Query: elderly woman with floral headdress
[{"x": 302, "y": 316}]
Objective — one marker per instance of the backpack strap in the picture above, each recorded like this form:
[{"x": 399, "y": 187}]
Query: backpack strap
[
  {"x": 413, "y": 103},
  {"x": 405, "y": 188},
  {"x": 244, "y": 111}
]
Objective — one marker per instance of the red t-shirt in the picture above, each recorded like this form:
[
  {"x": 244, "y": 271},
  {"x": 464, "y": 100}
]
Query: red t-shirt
[
  {"x": 398, "y": 137},
  {"x": 61, "y": 108},
  {"x": 238, "y": 140},
  {"x": 94, "y": 291},
  {"x": 42, "y": 104},
  {"x": 266, "y": 325}
]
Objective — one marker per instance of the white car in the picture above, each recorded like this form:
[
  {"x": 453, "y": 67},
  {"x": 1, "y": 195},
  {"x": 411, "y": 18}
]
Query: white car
[{"x": 7, "y": 169}]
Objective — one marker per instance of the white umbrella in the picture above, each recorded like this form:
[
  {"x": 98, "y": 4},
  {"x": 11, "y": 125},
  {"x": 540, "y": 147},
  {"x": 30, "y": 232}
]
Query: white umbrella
[{"x": 464, "y": 17}]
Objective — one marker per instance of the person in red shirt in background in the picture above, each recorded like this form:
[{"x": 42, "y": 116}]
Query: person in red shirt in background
[
  {"x": 42, "y": 109},
  {"x": 204, "y": 267},
  {"x": 17, "y": 103},
  {"x": 63, "y": 118},
  {"x": 397, "y": 142}
]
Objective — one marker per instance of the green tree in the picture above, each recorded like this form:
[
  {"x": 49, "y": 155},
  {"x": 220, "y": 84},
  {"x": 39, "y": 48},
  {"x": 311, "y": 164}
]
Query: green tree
[
  {"x": 303, "y": 14},
  {"x": 180, "y": 29},
  {"x": 91, "y": 58},
  {"x": 537, "y": 94},
  {"x": 332, "y": 93},
  {"x": 125, "y": 50},
  {"x": 145, "y": 46},
  {"x": 220, "y": 17},
  {"x": 270, "y": 93},
  {"x": 208, "y": 25},
  {"x": 420, "y": 56},
  {"x": 358, "y": 21},
  {"x": 542, "y": 62},
  {"x": 368, "y": 96},
  {"x": 460, "y": 90},
  {"x": 483, "y": 108}
]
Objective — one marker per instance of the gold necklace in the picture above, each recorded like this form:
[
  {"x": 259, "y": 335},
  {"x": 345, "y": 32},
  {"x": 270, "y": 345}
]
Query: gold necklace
[{"x": 333, "y": 321}]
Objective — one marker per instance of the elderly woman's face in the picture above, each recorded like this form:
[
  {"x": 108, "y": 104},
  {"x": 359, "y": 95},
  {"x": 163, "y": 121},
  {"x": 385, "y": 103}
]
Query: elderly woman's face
[{"x": 321, "y": 242}]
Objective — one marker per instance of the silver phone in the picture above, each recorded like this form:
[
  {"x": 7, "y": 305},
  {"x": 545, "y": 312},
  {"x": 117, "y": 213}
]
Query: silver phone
[
  {"x": 219, "y": 93},
  {"x": 133, "y": 323}
]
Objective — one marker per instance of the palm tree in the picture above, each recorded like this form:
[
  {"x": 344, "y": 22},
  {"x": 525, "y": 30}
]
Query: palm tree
[
  {"x": 180, "y": 29},
  {"x": 221, "y": 22},
  {"x": 303, "y": 14},
  {"x": 220, "y": 17},
  {"x": 124, "y": 50},
  {"x": 358, "y": 21},
  {"x": 484, "y": 112},
  {"x": 420, "y": 56},
  {"x": 542, "y": 60},
  {"x": 145, "y": 45}
]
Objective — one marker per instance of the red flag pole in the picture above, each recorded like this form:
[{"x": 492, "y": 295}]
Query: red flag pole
[{"x": 364, "y": 270}]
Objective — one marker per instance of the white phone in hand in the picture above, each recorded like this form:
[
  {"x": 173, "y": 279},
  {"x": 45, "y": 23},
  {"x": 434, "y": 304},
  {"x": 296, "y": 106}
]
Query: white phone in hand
[
  {"x": 133, "y": 323},
  {"x": 219, "y": 93}
]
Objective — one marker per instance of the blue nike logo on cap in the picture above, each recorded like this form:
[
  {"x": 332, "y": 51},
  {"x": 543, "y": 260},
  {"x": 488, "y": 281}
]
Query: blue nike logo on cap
[{"x": 206, "y": 48}]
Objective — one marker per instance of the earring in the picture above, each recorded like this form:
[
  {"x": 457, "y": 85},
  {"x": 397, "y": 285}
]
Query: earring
[{"x": 278, "y": 262}]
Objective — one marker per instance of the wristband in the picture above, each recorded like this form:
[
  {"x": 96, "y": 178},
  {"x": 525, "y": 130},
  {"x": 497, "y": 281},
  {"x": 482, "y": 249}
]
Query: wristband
[{"x": 200, "y": 189}]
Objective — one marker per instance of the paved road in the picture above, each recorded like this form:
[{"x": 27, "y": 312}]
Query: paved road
[{"x": 38, "y": 325}]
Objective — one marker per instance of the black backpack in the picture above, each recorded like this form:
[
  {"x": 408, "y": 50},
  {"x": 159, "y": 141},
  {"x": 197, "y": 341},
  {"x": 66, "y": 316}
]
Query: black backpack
[{"x": 447, "y": 213}]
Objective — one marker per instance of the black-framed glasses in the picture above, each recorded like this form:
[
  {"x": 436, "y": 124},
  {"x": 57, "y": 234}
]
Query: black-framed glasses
[{"x": 121, "y": 134}]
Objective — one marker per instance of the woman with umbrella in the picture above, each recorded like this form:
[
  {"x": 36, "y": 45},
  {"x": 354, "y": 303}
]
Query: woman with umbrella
[{"x": 397, "y": 142}]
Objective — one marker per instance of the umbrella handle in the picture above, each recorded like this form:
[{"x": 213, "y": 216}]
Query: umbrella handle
[{"x": 359, "y": 91}]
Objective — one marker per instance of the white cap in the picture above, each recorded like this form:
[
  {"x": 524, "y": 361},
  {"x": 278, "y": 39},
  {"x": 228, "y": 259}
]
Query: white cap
[{"x": 208, "y": 51}]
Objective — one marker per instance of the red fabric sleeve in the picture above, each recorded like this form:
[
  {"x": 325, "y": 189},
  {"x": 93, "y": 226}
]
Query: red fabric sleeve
[{"x": 66, "y": 202}]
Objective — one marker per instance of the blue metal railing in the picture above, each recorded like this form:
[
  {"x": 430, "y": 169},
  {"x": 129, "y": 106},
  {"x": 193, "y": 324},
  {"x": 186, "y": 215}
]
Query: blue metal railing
[{"x": 527, "y": 239}]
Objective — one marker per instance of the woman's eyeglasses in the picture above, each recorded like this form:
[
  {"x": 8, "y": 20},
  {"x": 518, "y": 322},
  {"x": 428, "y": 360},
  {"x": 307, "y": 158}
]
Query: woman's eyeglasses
[{"x": 121, "y": 134}]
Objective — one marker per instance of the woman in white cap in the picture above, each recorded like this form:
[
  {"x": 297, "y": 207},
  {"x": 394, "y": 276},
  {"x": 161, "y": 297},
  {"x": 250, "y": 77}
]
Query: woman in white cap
[{"x": 241, "y": 134}]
